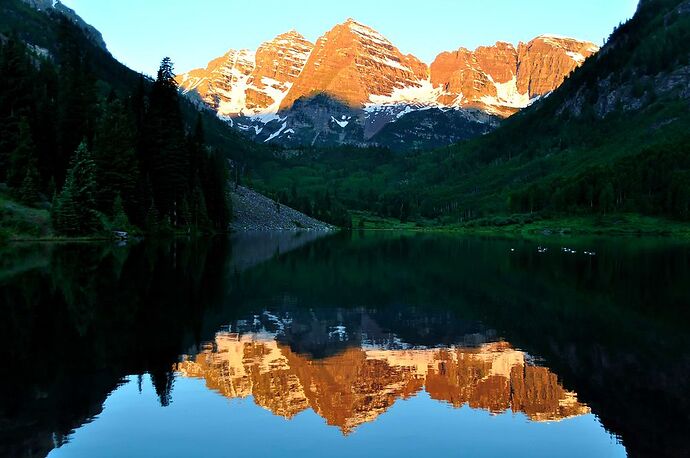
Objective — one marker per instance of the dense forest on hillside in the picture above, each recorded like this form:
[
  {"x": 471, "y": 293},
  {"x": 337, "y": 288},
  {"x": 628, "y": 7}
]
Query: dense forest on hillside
[
  {"x": 614, "y": 138},
  {"x": 99, "y": 156},
  {"x": 568, "y": 154}
]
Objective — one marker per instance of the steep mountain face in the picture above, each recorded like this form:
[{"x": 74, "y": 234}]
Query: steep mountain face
[
  {"x": 353, "y": 63},
  {"x": 502, "y": 79},
  {"x": 278, "y": 93},
  {"x": 247, "y": 83}
]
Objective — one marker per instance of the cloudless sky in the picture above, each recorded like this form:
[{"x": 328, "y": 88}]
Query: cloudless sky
[{"x": 141, "y": 32}]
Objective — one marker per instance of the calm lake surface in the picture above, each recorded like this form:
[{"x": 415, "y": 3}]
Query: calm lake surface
[{"x": 364, "y": 344}]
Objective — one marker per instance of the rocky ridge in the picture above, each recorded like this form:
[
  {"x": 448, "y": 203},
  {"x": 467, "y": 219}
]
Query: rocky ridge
[{"x": 277, "y": 94}]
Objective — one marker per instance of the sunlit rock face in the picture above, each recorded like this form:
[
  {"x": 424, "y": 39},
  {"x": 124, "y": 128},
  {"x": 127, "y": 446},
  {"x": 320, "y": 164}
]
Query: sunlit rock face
[
  {"x": 502, "y": 79},
  {"x": 352, "y": 63},
  {"x": 248, "y": 83},
  {"x": 366, "y": 84},
  {"x": 358, "y": 66},
  {"x": 359, "y": 384}
]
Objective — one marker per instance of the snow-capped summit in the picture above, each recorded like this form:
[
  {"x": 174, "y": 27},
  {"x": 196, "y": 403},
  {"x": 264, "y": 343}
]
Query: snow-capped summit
[
  {"x": 248, "y": 83},
  {"x": 372, "y": 84},
  {"x": 352, "y": 62}
]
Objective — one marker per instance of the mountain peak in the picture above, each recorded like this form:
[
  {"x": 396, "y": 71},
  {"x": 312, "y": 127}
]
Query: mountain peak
[
  {"x": 366, "y": 32},
  {"x": 291, "y": 34},
  {"x": 353, "y": 62},
  {"x": 358, "y": 68}
]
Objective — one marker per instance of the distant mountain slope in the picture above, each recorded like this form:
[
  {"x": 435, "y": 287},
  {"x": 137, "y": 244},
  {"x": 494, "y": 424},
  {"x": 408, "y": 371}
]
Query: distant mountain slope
[
  {"x": 43, "y": 23},
  {"x": 614, "y": 137},
  {"x": 276, "y": 95},
  {"x": 56, "y": 7}
]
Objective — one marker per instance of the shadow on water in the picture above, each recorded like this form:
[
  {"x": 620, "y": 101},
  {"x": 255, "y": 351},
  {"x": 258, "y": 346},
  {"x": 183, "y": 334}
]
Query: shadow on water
[{"x": 611, "y": 327}]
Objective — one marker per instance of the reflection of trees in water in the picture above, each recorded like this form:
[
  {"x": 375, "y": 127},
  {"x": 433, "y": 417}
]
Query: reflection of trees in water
[
  {"x": 89, "y": 316},
  {"x": 76, "y": 319}
]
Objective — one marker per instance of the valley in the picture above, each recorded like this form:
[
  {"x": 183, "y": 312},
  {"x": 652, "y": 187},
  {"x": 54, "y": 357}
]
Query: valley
[
  {"x": 376, "y": 236},
  {"x": 549, "y": 129}
]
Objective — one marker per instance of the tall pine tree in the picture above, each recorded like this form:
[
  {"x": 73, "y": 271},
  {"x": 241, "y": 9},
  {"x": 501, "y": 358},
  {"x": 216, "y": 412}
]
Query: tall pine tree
[
  {"x": 166, "y": 158},
  {"x": 75, "y": 212},
  {"x": 77, "y": 99},
  {"x": 115, "y": 157},
  {"x": 16, "y": 99},
  {"x": 23, "y": 154}
]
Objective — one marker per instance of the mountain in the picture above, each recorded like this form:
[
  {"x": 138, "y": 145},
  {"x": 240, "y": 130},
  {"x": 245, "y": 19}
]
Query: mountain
[
  {"x": 353, "y": 83},
  {"x": 251, "y": 83},
  {"x": 612, "y": 139},
  {"x": 502, "y": 79}
]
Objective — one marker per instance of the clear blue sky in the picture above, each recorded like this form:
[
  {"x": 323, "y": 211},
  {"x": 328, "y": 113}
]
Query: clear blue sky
[{"x": 141, "y": 32}]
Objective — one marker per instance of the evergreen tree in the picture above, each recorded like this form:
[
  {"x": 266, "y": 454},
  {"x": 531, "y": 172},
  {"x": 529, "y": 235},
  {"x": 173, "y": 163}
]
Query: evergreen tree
[
  {"x": 24, "y": 154},
  {"x": 215, "y": 187},
  {"x": 153, "y": 219},
  {"x": 16, "y": 99},
  {"x": 77, "y": 99},
  {"x": 43, "y": 125},
  {"x": 28, "y": 193},
  {"x": 75, "y": 209},
  {"x": 607, "y": 199},
  {"x": 200, "y": 219},
  {"x": 115, "y": 158},
  {"x": 197, "y": 151},
  {"x": 120, "y": 221},
  {"x": 166, "y": 157},
  {"x": 185, "y": 213}
]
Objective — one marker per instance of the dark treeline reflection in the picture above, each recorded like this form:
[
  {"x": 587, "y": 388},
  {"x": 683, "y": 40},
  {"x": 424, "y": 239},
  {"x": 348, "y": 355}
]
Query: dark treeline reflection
[
  {"x": 76, "y": 319},
  {"x": 79, "y": 318}
]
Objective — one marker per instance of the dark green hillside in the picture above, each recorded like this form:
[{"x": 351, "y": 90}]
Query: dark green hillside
[
  {"x": 52, "y": 32},
  {"x": 614, "y": 138},
  {"x": 101, "y": 147}
]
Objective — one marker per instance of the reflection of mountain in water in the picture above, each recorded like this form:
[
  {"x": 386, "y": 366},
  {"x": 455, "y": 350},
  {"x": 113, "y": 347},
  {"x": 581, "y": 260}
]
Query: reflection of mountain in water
[{"x": 359, "y": 384}]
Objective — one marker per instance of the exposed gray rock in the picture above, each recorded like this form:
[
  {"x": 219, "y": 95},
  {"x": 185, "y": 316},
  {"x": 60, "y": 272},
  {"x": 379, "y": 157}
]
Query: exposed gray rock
[
  {"x": 322, "y": 121},
  {"x": 255, "y": 212}
]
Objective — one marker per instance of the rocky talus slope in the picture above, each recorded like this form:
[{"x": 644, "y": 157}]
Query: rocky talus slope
[{"x": 255, "y": 212}]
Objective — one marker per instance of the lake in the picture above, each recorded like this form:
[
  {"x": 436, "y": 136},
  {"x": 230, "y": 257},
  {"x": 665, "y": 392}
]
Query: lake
[{"x": 362, "y": 344}]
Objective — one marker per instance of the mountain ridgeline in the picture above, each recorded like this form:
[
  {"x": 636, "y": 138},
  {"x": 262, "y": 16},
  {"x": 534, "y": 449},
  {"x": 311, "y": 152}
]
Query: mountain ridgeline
[
  {"x": 353, "y": 83},
  {"x": 554, "y": 127},
  {"x": 612, "y": 139}
]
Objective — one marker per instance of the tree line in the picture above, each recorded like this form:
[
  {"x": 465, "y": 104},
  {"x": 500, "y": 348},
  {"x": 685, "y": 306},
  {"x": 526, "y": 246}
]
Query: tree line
[{"x": 102, "y": 160}]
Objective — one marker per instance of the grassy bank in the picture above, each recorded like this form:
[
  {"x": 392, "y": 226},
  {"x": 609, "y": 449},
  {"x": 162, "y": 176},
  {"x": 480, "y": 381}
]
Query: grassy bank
[
  {"x": 19, "y": 222},
  {"x": 616, "y": 224}
]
